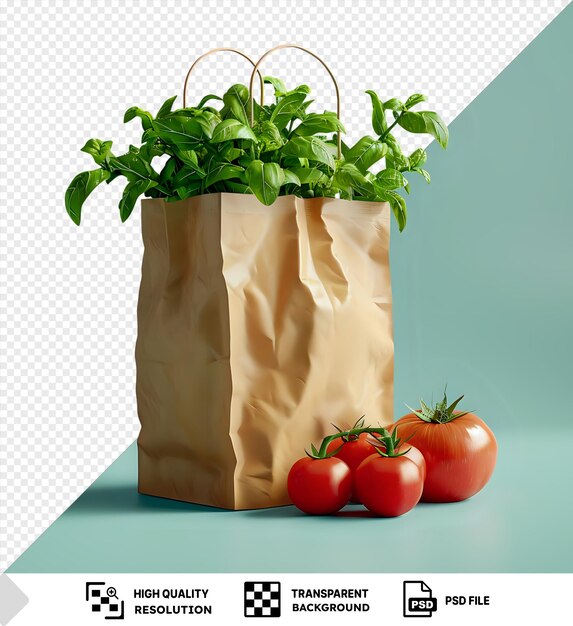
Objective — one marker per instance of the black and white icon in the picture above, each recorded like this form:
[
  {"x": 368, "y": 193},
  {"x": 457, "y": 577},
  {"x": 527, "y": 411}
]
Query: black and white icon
[
  {"x": 418, "y": 599},
  {"x": 104, "y": 600},
  {"x": 262, "y": 599}
]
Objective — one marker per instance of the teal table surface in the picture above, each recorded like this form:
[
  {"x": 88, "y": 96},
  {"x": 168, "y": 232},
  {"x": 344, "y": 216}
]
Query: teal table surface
[{"x": 521, "y": 522}]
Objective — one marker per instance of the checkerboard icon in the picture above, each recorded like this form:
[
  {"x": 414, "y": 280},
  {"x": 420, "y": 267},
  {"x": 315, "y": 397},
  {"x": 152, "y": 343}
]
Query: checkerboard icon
[
  {"x": 104, "y": 601},
  {"x": 262, "y": 599}
]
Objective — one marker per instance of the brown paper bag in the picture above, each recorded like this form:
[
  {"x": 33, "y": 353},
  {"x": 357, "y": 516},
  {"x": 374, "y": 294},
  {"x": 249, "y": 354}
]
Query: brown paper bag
[{"x": 258, "y": 327}]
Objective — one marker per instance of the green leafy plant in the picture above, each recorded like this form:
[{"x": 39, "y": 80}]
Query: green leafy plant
[{"x": 287, "y": 150}]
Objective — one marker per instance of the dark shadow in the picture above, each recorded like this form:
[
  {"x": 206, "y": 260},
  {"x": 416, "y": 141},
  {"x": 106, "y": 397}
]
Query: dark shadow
[{"x": 126, "y": 499}]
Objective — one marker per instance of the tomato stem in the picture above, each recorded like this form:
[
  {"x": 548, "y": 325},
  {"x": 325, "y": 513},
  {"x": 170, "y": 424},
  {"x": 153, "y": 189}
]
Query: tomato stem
[{"x": 344, "y": 434}]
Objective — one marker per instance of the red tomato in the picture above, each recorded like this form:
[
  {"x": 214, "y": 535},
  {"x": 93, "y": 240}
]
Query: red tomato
[
  {"x": 352, "y": 452},
  {"x": 388, "y": 486},
  {"x": 414, "y": 455},
  {"x": 460, "y": 455},
  {"x": 319, "y": 486}
]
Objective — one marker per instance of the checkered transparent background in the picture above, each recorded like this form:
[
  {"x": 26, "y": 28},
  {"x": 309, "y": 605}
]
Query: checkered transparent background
[{"x": 68, "y": 295}]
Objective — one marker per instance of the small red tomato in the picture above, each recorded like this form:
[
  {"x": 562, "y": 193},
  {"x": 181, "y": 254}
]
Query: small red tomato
[
  {"x": 388, "y": 486},
  {"x": 319, "y": 486},
  {"x": 414, "y": 455},
  {"x": 352, "y": 452}
]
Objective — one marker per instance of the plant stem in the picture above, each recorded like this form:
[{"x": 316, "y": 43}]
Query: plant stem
[{"x": 385, "y": 134}]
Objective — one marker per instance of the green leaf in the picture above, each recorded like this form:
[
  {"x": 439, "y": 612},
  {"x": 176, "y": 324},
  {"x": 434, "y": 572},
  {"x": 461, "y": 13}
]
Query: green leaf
[
  {"x": 206, "y": 99},
  {"x": 314, "y": 123},
  {"x": 286, "y": 109},
  {"x": 131, "y": 192},
  {"x": 423, "y": 173},
  {"x": 394, "y": 105},
  {"x": 185, "y": 177},
  {"x": 398, "y": 206},
  {"x": 270, "y": 137},
  {"x": 132, "y": 166},
  {"x": 166, "y": 108},
  {"x": 414, "y": 99},
  {"x": 390, "y": 179},
  {"x": 237, "y": 101},
  {"x": 436, "y": 127},
  {"x": 277, "y": 84},
  {"x": 291, "y": 177},
  {"x": 412, "y": 122},
  {"x": 235, "y": 187},
  {"x": 265, "y": 180},
  {"x": 309, "y": 148},
  {"x": 418, "y": 158},
  {"x": 222, "y": 171},
  {"x": 145, "y": 116},
  {"x": 189, "y": 158},
  {"x": 348, "y": 175},
  {"x": 366, "y": 152},
  {"x": 232, "y": 129},
  {"x": 79, "y": 189},
  {"x": 168, "y": 172},
  {"x": 379, "y": 123},
  {"x": 99, "y": 150},
  {"x": 180, "y": 132},
  {"x": 193, "y": 189},
  {"x": 307, "y": 175}
]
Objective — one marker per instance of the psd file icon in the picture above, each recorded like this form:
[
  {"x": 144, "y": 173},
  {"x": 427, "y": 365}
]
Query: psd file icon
[{"x": 418, "y": 599}]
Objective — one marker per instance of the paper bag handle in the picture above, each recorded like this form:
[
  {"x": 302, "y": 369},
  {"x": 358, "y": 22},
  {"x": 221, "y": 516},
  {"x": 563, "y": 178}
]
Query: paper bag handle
[
  {"x": 213, "y": 51},
  {"x": 292, "y": 45}
]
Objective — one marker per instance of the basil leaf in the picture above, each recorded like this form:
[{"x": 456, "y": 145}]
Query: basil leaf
[
  {"x": 193, "y": 189},
  {"x": 166, "y": 108},
  {"x": 286, "y": 109},
  {"x": 185, "y": 177},
  {"x": 132, "y": 166},
  {"x": 314, "y": 123},
  {"x": 423, "y": 173},
  {"x": 99, "y": 150},
  {"x": 189, "y": 158},
  {"x": 145, "y": 116},
  {"x": 309, "y": 148},
  {"x": 436, "y": 127},
  {"x": 291, "y": 177},
  {"x": 277, "y": 84},
  {"x": 414, "y": 99},
  {"x": 265, "y": 180},
  {"x": 131, "y": 192},
  {"x": 418, "y": 158},
  {"x": 237, "y": 100},
  {"x": 394, "y": 105},
  {"x": 183, "y": 133},
  {"x": 232, "y": 129},
  {"x": 398, "y": 206},
  {"x": 222, "y": 171},
  {"x": 390, "y": 179},
  {"x": 206, "y": 99},
  {"x": 348, "y": 175},
  {"x": 379, "y": 123},
  {"x": 366, "y": 152},
  {"x": 234, "y": 187},
  {"x": 307, "y": 175},
  {"x": 270, "y": 137},
  {"x": 79, "y": 189},
  {"x": 413, "y": 122}
]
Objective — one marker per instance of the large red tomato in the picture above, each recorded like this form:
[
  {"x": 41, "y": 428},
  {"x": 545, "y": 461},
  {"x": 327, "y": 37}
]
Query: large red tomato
[
  {"x": 388, "y": 486},
  {"x": 352, "y": 452},
  {"x": 319, "y": 486},
  {"x": 459, "y": 449}
]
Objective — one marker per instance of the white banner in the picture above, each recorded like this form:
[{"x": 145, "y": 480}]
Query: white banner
[{"x": 92, "y": 599}]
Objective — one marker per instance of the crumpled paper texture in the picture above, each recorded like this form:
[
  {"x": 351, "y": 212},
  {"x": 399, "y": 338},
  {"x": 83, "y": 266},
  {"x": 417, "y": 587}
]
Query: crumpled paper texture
[{"x": 258, "y": 327}]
